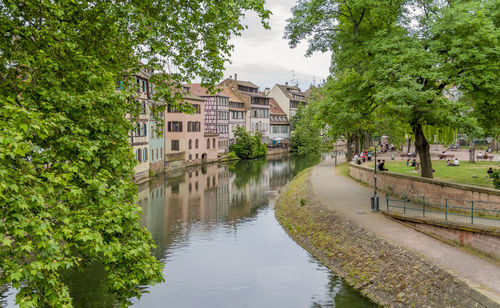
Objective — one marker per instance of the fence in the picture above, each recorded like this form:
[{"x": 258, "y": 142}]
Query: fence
[{"x": 447, "y": 207}]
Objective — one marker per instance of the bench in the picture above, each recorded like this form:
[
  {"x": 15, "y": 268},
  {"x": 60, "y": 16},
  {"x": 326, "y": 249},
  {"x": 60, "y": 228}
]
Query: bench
[
  {"x": 408, "y": 155},
  {"x": 444, "y": 156},
  {"x": 481, "y": 157}
]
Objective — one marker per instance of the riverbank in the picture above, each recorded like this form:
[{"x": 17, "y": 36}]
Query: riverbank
[{"x": 380, "y": 268}]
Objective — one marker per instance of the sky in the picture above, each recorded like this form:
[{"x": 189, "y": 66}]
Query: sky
[{"x": 264, "y": 57}]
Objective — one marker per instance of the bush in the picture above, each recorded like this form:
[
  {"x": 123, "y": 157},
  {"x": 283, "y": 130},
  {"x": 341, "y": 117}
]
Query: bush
[
  {"x": 496, "y": 179},
  {"x": 247, "y": 145}
]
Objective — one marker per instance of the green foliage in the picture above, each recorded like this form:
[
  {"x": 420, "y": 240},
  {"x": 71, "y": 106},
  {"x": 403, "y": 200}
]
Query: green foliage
[
  {"x": 66, "y": 189},
  {"x": 496, "y": 179},
  {"x": 306, "y": 134},
  {"x": 247, "y": 145},
  {"x": 392, "y": 66}
]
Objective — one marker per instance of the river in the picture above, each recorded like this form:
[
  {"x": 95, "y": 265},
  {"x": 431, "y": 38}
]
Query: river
[{"x": 221, "y": 245}]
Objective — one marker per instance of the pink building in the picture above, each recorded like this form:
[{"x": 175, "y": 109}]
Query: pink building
[{"x": 185, "y": 137}]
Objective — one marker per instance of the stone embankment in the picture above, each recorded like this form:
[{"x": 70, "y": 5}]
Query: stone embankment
[{"x": 384, "y": 272}]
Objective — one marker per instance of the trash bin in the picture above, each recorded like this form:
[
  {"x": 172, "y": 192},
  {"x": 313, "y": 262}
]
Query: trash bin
[{"x": 374, "y": 203}]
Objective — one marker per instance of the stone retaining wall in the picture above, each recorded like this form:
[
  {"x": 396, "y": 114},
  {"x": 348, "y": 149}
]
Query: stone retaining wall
[
  {"x": 388, "y": 274},
  {"x": 484, "y": 239},
  {"x": 400, "y": 184}
]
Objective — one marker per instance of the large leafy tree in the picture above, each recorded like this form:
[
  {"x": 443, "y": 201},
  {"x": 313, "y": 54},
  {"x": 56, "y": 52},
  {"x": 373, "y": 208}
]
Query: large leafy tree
[
  {"x": 66, "y": 193},
  {"x": 408, "y": 60}
]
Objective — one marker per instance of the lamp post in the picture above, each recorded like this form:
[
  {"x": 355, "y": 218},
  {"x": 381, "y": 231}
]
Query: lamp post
[{"x": 374, "y": 199}]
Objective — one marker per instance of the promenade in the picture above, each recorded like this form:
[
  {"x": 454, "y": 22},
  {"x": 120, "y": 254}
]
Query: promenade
[{"x": 351, "y": 200}]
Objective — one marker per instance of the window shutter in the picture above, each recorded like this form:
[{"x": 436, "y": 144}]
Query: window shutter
[
  {"x": 180, "y": 126},
  {"x": 169, "y": 126}
]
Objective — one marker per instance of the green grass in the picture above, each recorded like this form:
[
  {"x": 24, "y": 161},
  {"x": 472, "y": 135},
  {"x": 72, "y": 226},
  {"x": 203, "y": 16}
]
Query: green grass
[
  {"x": 461, "y": 174},
  {"x": 343, "y": 169}
]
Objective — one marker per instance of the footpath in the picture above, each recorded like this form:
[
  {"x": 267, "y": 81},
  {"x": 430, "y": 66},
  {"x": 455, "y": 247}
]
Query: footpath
[{"x": 351, "y": 201}]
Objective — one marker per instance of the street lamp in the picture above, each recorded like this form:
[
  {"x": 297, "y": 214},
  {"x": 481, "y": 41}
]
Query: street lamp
[{"x": 374, "y": 199}]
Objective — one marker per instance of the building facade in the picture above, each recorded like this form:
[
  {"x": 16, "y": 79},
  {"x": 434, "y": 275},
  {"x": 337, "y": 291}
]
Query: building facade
[
  {"x": 138, "y": 137},
  {"x": 280, "y": 127},
  {"x": 237, "y": 112},
  {"x": 288, "y": 97},
  {"x": 257, "y": 117},
  {"x": 185, "y": 137},
  {"x": 216, "y": 114}
]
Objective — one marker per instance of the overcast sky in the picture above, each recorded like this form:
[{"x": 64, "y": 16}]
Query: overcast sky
[{"x": 264, "y": 57}]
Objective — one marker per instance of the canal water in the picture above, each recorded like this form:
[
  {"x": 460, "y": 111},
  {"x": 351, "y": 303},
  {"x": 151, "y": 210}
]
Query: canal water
[{"x": 221, "y": 245}]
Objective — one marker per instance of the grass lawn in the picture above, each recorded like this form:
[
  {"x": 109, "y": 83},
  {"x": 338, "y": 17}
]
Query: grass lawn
[{"x": 461, "y": 174}]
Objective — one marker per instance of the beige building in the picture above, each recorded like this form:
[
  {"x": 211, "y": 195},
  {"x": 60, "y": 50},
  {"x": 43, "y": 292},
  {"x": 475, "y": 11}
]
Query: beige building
[
  {"x": 288, "y": 97},
  {"x": 257, "y": 104}
]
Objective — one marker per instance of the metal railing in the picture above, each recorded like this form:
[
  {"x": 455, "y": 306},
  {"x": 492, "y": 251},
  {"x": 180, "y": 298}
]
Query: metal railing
[{"x": 470, "y": 209}]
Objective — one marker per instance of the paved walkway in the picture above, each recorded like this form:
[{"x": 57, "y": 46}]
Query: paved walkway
[{"x": 352, "y": 200}]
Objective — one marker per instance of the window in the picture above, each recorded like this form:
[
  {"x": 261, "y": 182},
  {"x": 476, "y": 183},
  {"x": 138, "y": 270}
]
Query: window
[
  {"x": 213, "y": 143},
  {"x": 161, "y": 153},
  {"x": 143, "y": 86},
  {"x": 196, "y": 158},
  {"x": 175, "y": 145},
  {"x": 193, "y": 126},
  {"x": 145, "y": 155},
  {"x": 144, "y": 129},
  {"x": 157, "y": 154},
  {"x": 196, "y": 144},
  {"x": 190, "y": 144},
  {"x": 208, "y": 143},
  {"x": 174, "y": 126},
  {"x": 171, "y": 109},
  {"x": 197, "y": 108},
  {"x": 139, "y": 156},
  {"x": 190, "y": 157},
  {"x": 153, "y": 154}
]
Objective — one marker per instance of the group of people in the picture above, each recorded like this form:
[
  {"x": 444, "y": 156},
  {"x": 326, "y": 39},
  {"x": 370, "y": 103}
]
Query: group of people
[
  {"x": 413, "y": 163},
  {"x": 455, "y": 163},
  {"x": 362, "y": 157}
]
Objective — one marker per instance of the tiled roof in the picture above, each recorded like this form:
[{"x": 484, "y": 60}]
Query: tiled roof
[
  {"x": 197, "y": 89},
  {"x": 289, "y": 94},
  {"x": 274, "y": 108},
  {"x": 225, "y": 91},
  {"x": 246, "y": 84}
]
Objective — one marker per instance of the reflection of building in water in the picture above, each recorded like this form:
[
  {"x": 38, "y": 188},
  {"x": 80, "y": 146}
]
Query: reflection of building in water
[{"x": 279, "y": 172}]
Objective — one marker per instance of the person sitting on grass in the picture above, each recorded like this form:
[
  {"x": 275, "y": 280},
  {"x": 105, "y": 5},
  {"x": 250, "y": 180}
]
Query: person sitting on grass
[
  {"x": 448, "y": 163},
  {"x": 407, "y": 162},
  {"x": 456, "y": 163},
  {"x": 414, "y": 163},
  {"x": 417, "y": 168},
  {"x": 489, "y": 173}
]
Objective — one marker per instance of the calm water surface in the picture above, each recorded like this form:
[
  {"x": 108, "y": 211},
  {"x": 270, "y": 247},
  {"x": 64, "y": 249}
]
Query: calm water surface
[{"x": 222, "y": 246}]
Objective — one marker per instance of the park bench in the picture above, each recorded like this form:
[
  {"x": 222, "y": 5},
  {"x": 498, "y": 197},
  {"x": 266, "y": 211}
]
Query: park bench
[
  {"x": 481, "y": 157},
  {"x": 444, "y": 156},
  {"x": 406, "y": 155}
]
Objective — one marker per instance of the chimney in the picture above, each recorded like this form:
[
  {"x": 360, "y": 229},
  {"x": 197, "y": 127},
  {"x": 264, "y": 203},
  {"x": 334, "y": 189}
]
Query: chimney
[
  {"x": 266, "y": 91},
  {"x": 235, "y": 77}
]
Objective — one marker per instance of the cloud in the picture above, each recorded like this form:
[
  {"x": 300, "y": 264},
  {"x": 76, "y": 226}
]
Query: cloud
[{"x": 264, "y": 57}]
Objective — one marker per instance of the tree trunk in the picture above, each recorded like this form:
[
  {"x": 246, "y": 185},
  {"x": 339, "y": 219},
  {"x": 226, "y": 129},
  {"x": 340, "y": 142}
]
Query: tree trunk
[
  {"x": 422, "y": 147},
  {"x": 472, "y": 152},
  {"x": 349, "y": 149},
  {"x": 409, "y": 144},
  {"x": 356, "y": 143}
]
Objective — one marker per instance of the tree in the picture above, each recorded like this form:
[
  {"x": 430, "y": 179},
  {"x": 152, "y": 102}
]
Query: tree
[
  {"x": 66, "y": 189},
  {"x": 247, "y": 145},
  {"x": 306, "y": 134},
  {"x": 407, "y": 68}
]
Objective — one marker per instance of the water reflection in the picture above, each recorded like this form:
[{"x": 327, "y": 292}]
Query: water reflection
[{"x": 221, "y": 245}]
